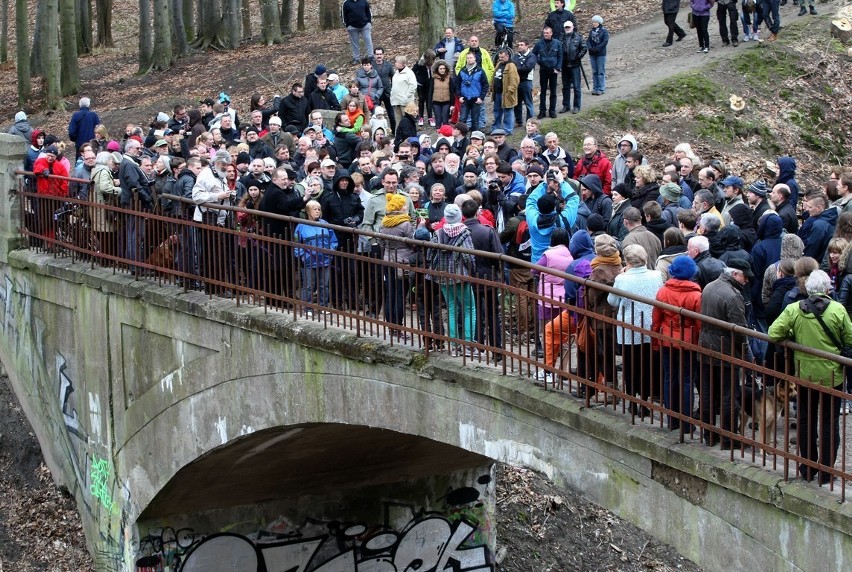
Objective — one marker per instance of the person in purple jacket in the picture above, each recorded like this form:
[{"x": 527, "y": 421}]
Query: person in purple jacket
[{"x": 701, "y": 18}]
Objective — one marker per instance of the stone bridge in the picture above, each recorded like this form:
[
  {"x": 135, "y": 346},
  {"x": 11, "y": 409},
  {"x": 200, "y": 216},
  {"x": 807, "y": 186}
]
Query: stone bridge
[{"x": 232, "y": 438}]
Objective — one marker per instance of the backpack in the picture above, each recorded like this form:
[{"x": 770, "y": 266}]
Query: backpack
[{"x": 521, "y": 244}]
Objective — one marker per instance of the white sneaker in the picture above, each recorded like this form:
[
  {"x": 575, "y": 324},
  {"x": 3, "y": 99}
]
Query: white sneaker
[
  {"x": 544, "y": 376},
  {"x": 431, "y": 122},
  {"x": 746, "y": 37},
  {"x": 420, "y": 122}
]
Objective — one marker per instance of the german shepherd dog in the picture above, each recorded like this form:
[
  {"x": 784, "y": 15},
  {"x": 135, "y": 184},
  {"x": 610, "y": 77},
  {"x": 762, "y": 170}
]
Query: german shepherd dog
[{"x": 763, "y": 405}]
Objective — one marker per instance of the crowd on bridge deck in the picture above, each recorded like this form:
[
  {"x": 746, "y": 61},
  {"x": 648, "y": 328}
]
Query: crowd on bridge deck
[{"x": 679, "y": 229}]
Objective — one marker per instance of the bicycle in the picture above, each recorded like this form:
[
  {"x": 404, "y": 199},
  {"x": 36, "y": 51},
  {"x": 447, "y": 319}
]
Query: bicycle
[{"x": 74, "y": 227}]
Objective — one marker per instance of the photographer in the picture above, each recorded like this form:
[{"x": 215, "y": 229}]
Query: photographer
[
  {"x": 214, "y": 248},
  {"x": 553, "y": 204}
]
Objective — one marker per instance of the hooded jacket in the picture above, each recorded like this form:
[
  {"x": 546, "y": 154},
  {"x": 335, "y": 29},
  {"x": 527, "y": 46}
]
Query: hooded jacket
[
  {"x": 541, "y": 226},
  {"x": 598, "y": 203},
  {"x": 22, "y": 127},
  {"x": 798, "y": 322},
  {"x": 791, "y": 247},
  {"x": 787, "y": 176},
  {"x": 766, "y": 252},
  {"x": 619, "y": 167},
  {"x": 582, "y": 248},
  {"x": 684, "y": 294},
  {"x": 598, "y": 165},
  {"x": 342, "y": 207},
  {"x": 816, "y": 232}
]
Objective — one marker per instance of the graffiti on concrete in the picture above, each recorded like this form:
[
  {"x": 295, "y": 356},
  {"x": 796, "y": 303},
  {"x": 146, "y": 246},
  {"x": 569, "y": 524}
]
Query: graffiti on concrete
[{"x": 429, "y": 543}]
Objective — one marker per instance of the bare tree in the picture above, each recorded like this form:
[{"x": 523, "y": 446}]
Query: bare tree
[
  {"x": 38, "y": 46},
  {"x": 286, "y": 17},
  {"x": 162, "y": 56},
  {"x": 104, "y": 21},
  {"x": 404, "y": 8},
  {"x": 300, "y": 16},
  {"x": 84, "y": 26},
  {"x": 435, "y": 16},
  {"x": 468, "y": 10},
  {"x": 4, "y": 31},
  {"x": 210, "y": 29},
  {"x": 231, "y": 23},
  {"x": 49, "y": 35},
  {"x": 245, "y": 11},
  {"x": 146, "y": 33},
  {"x": 180, "y": 43},
  {"x": 70, "y": 71},
  {"x": 270, "y": 22},
  {"x": 329, "y": 15},
  {"x": 23, "y": 52}
]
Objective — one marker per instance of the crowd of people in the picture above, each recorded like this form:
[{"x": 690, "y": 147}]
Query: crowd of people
[{"x": 683, "y": 230}]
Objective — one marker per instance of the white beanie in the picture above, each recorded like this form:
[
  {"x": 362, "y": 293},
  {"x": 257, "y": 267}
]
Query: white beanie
[
  {"x": 162, "y": 117},
  {"x": 20, "y": 116},
  {"x": 598, "y": 19}
]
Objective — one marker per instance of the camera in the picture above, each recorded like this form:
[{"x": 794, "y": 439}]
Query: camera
[
  {"x": 551, "y": 176},
  {"x": 494, "y": 186}
]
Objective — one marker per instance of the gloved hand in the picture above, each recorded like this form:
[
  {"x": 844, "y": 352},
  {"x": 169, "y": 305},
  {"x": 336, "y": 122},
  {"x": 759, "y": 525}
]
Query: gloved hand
[{"x": 45, "y": 173}]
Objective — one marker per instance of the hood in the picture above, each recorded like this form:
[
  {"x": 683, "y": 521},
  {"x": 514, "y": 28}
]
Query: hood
[
  {"x": 771, "y": 226},
  {"x": 679, "y": 285},
  {"x": 98, "y": 168},
  {"x": 630, "y": 139},
  {"x": 829, "y": 215},
  {"x": 786, "y": 169},
  {"x": 729, "y": 238},
  {"x": 792, "y": 246},
  {"x": 20, "y": 116},
  {"x": 581, "y": 245},
  {"x": 350, "y": 184},
  {"x": 593, "y": 183},
  {"x": 814, "y": 304},
  {"x": 34, "y": 137},
  {"x": 439, "y": 62}
]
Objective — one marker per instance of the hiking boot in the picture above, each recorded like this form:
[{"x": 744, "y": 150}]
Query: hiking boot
[
  {"x": 667, "y": 44},
  {"x": 803, "y": 10},
  {"x": 565, "y": 109},
  {"x": 813, "y": 11},
  {"x": 552, "y": 114},
  {"x": 735, "y": 42},
  {"x": 575, "y": 110},
  {"x": 679, "y": 38},
  {"x": 540, "y": 115},
  {"x": 772, "y": 38}
]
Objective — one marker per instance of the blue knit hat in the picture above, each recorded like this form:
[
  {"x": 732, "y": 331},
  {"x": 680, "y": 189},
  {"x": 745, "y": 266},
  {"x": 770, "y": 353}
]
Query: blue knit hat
[{"x": 682, "y": 268}]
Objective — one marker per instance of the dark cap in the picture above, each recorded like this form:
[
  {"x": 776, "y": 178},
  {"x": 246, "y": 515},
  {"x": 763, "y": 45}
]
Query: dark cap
[
  {"x": 243, "y": 157},
  {"x": 207, "y": 101},
  {"x": 742, "y": 265}
]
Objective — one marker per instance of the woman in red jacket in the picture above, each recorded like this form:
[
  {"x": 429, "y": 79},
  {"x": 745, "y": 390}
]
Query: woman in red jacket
[
  {"x": 678, "y": 363},
  {"x": 47, "y": 164}
]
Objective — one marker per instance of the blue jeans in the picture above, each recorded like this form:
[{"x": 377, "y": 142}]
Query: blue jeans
[
  {"x": 470, "y": 113},
  {"x": 525, "y": 101},
  {"x": 598, "y": 73},
  {"x": 571, "y": 82},
  {"x": 503, "y": 118},
  {"x": 355, "y": 34},
  {"x": 318, "y": 279}
]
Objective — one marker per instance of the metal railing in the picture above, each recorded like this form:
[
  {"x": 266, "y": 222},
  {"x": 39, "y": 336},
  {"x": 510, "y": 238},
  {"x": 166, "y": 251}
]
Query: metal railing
[{"x": 699, "y": 393}]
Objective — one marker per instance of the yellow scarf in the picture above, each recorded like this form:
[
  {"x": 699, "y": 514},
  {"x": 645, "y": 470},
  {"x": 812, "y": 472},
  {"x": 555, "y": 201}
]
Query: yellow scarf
[{"x": 395, "y": 219}]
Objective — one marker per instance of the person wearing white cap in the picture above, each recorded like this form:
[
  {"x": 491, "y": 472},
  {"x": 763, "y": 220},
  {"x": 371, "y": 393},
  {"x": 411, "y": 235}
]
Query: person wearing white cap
[{"x": 596, "y": 44}]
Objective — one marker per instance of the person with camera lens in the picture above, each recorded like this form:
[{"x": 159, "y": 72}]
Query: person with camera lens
[
  {"x": 472, "y": 87},
  {"x": 214, "y": 254}
]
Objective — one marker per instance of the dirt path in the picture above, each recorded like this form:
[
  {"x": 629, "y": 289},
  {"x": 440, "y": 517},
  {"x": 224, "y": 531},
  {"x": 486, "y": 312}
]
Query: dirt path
[{"x": 636, "y": 59}]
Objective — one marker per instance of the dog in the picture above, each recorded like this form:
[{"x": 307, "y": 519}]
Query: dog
[
  {"x": 163, "y": 256},
  {"x": 763, "y": 405}
]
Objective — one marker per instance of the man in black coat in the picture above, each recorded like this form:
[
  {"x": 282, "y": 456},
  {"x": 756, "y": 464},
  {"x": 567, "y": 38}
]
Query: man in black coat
[
  {"x": 322, "y": 97},
  {"x": 342, "y": 207},
  {"x": 280, "y": 198},
  {"x": 293, "y": 110}
]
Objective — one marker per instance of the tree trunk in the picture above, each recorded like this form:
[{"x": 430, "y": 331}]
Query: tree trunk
[
  {"x": 468, "y": 10},
  {"x": 329, "y": 15},
  {"x": 36, "y": 55},
  {"x": 404, "y": 8},
  {"x": 70, "y": 72},
  {"x": 435, "y": 16},
  {"x": 84, "y": 26},
  {"x": 162, "y": 56},
  {"x": 211, "y": 28},
  {"x": 180, "y": 45},
  {"x": 104, "y": 10},
  {"x": 4, "y": 31},
  {"x": 300, "y": 16},
  {"x": 270, "y": 22},
  {"x": 231, "y": 22},
  {"x": 188, "y": 20},
  {"x": 49, "y": 47},
  {"x": 146, "y": 41},
  {"x": 286, "y": 17},
  {"x": 23, "y": 52},
  {"x": 245, "y": 11}
]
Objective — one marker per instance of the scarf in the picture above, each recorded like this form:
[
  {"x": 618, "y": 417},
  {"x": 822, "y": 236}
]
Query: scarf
[
  {"x": 395, "y": 219},
  {"x": 453, "y": 230},
  {"x": 615, "y": 260}
]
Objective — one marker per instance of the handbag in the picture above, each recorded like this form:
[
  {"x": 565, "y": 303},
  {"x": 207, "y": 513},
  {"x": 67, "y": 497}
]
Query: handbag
[
  {"x": 585, "y": 336},
  {"x": 690, "y": 19}
]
